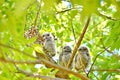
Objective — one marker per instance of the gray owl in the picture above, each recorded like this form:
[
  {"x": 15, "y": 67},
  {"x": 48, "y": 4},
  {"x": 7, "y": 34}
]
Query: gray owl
[
  {"x": 65, "y": 56},
  {"x": 82, "y": 59},
  {"x": 49, "y": 45}
]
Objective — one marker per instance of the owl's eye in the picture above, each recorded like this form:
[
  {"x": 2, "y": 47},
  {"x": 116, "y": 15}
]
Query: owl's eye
[
  {"x": 87, "y": 54},
  {"x": 64, "y": 48},
  {"x": 48, "y": 34},
  {"x": 80, "y": 49},
  {"x": 43, "y": 36}
]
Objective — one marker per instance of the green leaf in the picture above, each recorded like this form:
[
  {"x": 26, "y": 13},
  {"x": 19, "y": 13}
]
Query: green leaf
[{"x": 39, "y": 49}]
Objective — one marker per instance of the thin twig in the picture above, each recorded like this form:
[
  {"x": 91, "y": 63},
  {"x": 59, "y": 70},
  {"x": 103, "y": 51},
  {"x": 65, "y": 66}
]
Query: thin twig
[
  {"x": 73, "y": 32},
  {"x": 108, "y": 17},
  {"x": 37, "y": 15},
  {"x": 64, "y": 11},
  {"x": 26, "y": 14},
  {"x": 96, "y": 76},
  {"x": 116, "y": 56},
  {"x": 3, "y": 45},
  {"x": 79, "y": 42},
  {"x": 107, "y": 70},
  {"x": 94, "y": 61},
  {"x": 25, "y": 24}
]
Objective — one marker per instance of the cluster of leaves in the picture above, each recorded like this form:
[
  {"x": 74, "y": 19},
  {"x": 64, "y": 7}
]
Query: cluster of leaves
[{"x": 103, "y": 33}]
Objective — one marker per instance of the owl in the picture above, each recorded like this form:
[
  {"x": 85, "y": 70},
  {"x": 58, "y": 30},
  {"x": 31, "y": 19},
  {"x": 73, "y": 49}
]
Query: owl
[
  {"x": 49, "y": 46},
  {"x": 82, "y": 59},
  {"x": 65, "y": 56}
]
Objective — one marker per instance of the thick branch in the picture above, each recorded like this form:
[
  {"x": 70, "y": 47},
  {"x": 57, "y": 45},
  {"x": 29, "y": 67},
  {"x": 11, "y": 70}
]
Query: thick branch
[
  {"x": 65, "y": 69},
  {"x": 79, "y": 42},
  {"x": 55, "y": 66},
  {"x": 38, "y": 62},
  {"x": 37, "y": 75},
  {"x": 43, "y": 61}
]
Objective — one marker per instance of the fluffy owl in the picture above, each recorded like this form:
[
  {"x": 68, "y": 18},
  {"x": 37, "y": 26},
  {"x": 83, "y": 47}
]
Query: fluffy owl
[
  {"x": 82, "y": 59},
  {"x": 65, "y": 56},
  {"x": 49, "y": 45}
]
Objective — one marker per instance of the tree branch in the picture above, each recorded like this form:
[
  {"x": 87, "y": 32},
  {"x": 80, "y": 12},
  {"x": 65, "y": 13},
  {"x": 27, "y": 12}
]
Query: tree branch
[
  {"x": 37, "y": 75},
  {"x": 64, "y": 69},
  {"x": 37, "y": 15},
  {"x": 79, "y": 42},
  {"x": 107, "y": 70},
  {"x": 48, "y": 63},
  {"x": 73, "y": 33},
  {"x": 96, "y": 77},
  {"x": 94, "y": 61},
  {"x": 43, "y": 61},
  {"x": 103, "y": 15},
  {"x": 55, "y": 66},
  {"x": 64, "y": 10},
  {"x": 116, "y": 56},
  {"x": 108, "y": 17},
  {"x": 3, "y": 45},
  {"x": 18, "y": 62},
  {"x": 26, "y": 14}
]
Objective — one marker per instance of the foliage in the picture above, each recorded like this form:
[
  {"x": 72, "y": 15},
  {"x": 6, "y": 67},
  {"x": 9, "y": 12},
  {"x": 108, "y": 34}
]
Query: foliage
[{"x": 102, "y": 36}]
